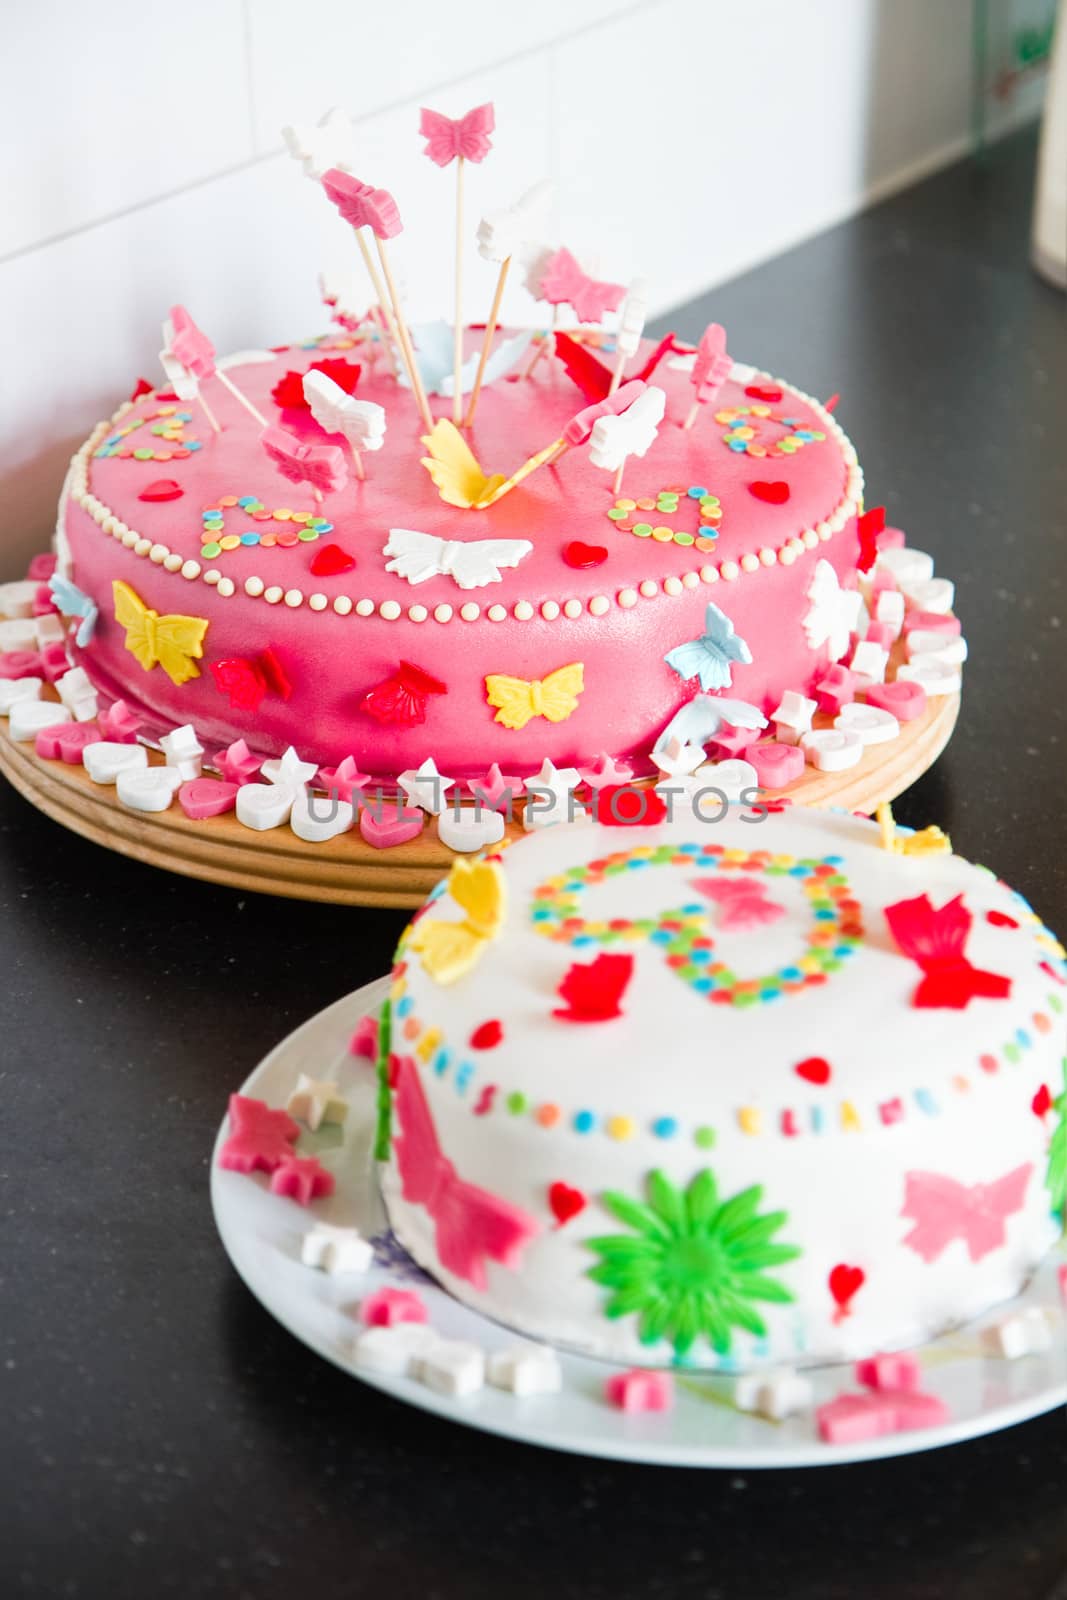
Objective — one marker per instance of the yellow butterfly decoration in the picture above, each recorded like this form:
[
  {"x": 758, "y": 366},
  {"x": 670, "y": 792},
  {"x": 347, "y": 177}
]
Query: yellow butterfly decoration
[
  {"x": 168, "y": 642},
  {"x": 459, "y": 478},
  {"x": 451, "y": 949},
  {"x": 931, "y": 841},
  {"x": 555, "y": 698}
]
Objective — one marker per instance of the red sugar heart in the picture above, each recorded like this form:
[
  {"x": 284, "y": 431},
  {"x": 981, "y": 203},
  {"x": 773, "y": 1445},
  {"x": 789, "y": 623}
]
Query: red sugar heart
[
  {"x": 331, "y": 560},
  {"x": 565, "y": 1202},
  {"x": 772, "y": 494},
  {"x": 577, "y": 554},
  {"x": 1000, "y": 919},
  {"x": 815, "y": 1069},
  {"x": 161, "y": 489},
  {"x": 846, "y": 1282},
  {"x": 759, "y": 391},
  {"x": 1041, "y": 1104},
  {"x": 487, "y": 1035}
]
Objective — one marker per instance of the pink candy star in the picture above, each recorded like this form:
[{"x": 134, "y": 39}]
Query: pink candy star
[
  {"x": 496, "y": 790},
  {"x": 237, "y": 764},
  {"x": 606, "y": 773},
  {"x": 301, "y": 1178},
  {"x": 260, "y": 1139},
  {"x": 386, "y": 1307},
  {"x": 364, "y": 1040},
  {"x": 343, "y": 778},
  {"x": 118, "y": 723},
  {"x": 640, "y": 1390}
]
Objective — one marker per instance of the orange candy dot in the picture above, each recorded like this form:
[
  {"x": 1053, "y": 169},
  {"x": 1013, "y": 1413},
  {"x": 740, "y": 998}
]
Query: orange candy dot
[{"x": 547, "y": 1115}]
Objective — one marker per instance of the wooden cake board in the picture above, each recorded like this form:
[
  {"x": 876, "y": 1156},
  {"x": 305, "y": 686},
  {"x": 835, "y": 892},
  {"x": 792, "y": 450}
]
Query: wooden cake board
[{"x": 348, "y": 871}]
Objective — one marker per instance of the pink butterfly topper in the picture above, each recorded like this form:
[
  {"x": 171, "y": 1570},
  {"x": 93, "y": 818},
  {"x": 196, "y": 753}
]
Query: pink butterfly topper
[
  {"x": 564, "y": 283},
  {"x": 324, "y": 466},
  {"x": 712, "y": 366},
  {"x": 190, "y": 345},
  {"x": 361, "y": 205},
  {"x": 448, "y": 137},
  {"x": 943, "y": 1210},
  {"x": 472, "y": 1225},
  {"x": 742, "y": 902}
]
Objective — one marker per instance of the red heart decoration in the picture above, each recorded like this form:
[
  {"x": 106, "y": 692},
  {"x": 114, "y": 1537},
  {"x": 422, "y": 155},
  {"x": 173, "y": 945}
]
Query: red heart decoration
[
  {"x": 577, "y": 554},
  {"x": 846, "y": 1282},
  {"x": 815, "y": 1069},
  {"x": 772, "y": 494},
  {"x": 1000, "y": 919},
  {"x": 331, "y": 560},
  {"x": 1040, "y": 1105},
  {"x": 760, "y": 391},
  {"x": 487, "y": 1035},
  {"x": 161, "y": 489},
  {"x": 565, "y": 1202}
]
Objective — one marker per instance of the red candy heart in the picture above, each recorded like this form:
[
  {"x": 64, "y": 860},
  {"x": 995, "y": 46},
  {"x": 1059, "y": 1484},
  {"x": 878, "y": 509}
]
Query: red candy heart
[
  {"x": 487, "y": 1036},
  {"x": 1040, "y": 1105},
  {"x": 772, "y": 494},
  {"x": 161, "y": 489},
  {"x": 577, "y": 554},
  {"x": 331, "y": 560},
  {"x": 759, "y": 391},
  {"x": 565, "y": 1202},
  {"x": 1000, "y": 919},
  {"x": 815, "y": 1069},
  {"x": 846, "y": 1282}
]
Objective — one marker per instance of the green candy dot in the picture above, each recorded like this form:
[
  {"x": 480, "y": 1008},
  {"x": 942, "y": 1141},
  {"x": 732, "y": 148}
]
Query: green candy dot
[
  {"x": 210, "y": 551},
  {"x": 308, "y": 535},
  {"x": 642, "y": 529},
  {"x": 704, "y": 1138},
  {"x": 1013, "y": 1054},
  {"x": 684, "y": 538},
  {"x": 516, "y": 1103},
  {"x": 617, "y": 516},
  {"x": 143, "y": 454},
  {"x": 1056, "y": 1003}
]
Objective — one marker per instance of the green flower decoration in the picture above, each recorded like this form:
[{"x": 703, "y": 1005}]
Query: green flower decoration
[
  {"x": 694, "y": 1264},
  {"x": 1056, "y": 1180}
]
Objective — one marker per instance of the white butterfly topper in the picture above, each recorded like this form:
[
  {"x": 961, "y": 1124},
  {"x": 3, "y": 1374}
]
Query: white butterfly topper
[
  {"x": 502, "y": 232},
  {"x": 362, "y": 422},
  {"x": 632, "y": 318},
  {"x": 832, "y": 614},
  {"x": 630, "y": 433},
  {"x": 326, "y": 144},
  {"x": 470, "y": 563}
]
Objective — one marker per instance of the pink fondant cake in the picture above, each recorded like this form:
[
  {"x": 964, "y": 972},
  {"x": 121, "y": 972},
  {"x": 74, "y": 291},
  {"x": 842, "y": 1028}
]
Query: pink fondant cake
[{"x": 301, "y": 619}]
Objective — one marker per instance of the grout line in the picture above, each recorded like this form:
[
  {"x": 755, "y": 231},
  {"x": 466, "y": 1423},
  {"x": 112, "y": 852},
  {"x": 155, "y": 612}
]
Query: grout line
[
  {"x": 250, "y": 81},
  {"x": 260, "y": 157}
]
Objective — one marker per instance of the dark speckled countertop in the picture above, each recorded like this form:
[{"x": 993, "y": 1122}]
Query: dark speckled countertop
[{"x": 161, "y": 1434}]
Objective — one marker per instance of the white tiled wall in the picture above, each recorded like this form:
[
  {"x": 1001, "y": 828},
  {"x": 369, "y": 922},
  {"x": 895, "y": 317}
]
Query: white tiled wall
[{"x": 140, "y": 161}]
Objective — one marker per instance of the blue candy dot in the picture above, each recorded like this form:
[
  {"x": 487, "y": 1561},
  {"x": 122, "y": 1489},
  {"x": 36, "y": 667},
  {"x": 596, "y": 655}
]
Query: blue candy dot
[
  {"x": 404, "y": 1005},
  {"x": 1023, "y": 1038},
  {"x": 584, "y": 1122},
  {"x": 440, "y": 1061},
  {"x": 250, "y": 538},
  {"x": 665, "y": 1127},
  {"x": 696, "y": 493}
]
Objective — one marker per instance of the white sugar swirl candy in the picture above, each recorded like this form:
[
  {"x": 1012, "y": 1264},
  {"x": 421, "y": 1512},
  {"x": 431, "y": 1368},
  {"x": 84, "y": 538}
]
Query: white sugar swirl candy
[
  {"x": 501, "y": 232},
  {"x": 360, "y": 421}
]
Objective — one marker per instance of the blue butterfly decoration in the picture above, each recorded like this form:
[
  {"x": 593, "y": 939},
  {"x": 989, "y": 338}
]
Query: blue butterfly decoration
[
  {"x": 701, "y": 718},
  {"x": 434, "y": 357},
  {"x": 710, "y": 657},
  {"x": 74, "y": 603}
]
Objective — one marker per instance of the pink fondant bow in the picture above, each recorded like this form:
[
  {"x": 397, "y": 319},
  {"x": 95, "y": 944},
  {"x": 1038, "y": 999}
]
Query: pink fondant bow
[
  {"x": 934, "y": 940},
  {"x": 943, "y": 1210},
  {"x": 449, "y": 137},
  {"x": 472, "y": 1225}
]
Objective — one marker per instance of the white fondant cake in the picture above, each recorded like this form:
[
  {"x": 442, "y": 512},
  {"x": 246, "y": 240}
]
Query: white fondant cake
[{"x": 795, "y": 1142}]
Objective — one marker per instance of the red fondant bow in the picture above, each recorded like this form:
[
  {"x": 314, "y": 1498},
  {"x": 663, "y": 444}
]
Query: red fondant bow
[
  {"x": 471, "y": 1224},
  {"x": 934, "y": 940}
]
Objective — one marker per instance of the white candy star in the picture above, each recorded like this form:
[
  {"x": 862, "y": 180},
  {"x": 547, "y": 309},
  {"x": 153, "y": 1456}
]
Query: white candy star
[
  {"x": 183, "y": 751},
  {"x": 336, "y": 1250},
  {"x": 316, "y": 1101},
  {"x": 678, "y": 759},
  {"x": 289, "y": 771},
  {"x": 425, "y": 787}
]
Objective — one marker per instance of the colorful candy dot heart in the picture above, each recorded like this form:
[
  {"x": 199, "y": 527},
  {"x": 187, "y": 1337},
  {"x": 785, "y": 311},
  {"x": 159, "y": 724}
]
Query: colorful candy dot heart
[
  {"x": 771, "y": 494},
  {"x": 577, "y": 554}
]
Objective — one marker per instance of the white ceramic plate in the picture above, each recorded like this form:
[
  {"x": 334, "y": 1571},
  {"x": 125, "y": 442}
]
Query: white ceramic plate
[{"x": 262, "y": 1234}]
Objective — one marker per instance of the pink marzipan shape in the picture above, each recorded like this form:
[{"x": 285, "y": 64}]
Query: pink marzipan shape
[
  {"x": 343, "y": 779},
  {"x": 54, "y": 661},
  {"x": 364, "y": 1040},
  {"x": 207, "y": 797},
  {"x": 899, "y": 697},
  {"x": 395, "y": 826},
  {"x": 303, "y": 1179},
  {"x": 606, "y": 773},
  {"x": 835, "y": 690},
  {"x": 881, "y": 633},
  {"x": 712, "y": 365},
  {"x": 496, "y": 789},
  {"x": 932, "y": 622},
  {"x": 118, "y": 723},
  {"x": 361, "y": 205},
  {"x": 66, "y": 741},
  {"x": 19, "y": 664},
  {"x": 43, "y": 603},
  {"x": 855, "y": 1418},
  {"x": 41, "y": 567},
  {"x": 581, "y": 425},
  {"x": 1061, "y": 1281},
  {"x": 728, "y": 742},
  {"x": 386, "y": 1307},
  {"x": 260, "y": 1137},
  {"x": 449, "y": 137},
  {"x": 640, "y": 1390},
  {"x": 893, "y": 1371},
  {"x": 777, "y": 765},
  {"x": 236, "y": 763}
]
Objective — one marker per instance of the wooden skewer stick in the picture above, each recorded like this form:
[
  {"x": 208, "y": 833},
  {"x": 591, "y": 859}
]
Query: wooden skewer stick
[
  {"x": 385, "y": 317},
  {"x": 542, "y": 348},
  {"x": 617, "y": 485},
  {"x": 357, "y": 461},
  {"x": 211, "y": 417},
  {"x": 616, "y": 376},
  {"x": 405, "y": 339},
  {"x": 691, "y": 418},
  {"x": 490, "y": 330},
  {"x": 550, "y": 452},
  {"x": 228, "y": 383},
  {"x": 457, "y": 331}
]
